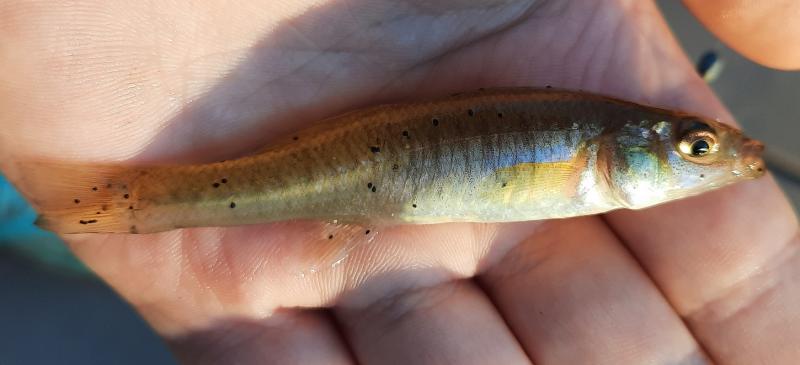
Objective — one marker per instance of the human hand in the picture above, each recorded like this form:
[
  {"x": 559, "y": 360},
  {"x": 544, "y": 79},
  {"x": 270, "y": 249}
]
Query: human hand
[{"x": 705, "y": 278}]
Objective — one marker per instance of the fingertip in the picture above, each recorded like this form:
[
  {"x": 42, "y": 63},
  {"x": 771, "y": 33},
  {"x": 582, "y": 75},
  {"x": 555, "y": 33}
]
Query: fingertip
[{"x": 763, "y": 31}]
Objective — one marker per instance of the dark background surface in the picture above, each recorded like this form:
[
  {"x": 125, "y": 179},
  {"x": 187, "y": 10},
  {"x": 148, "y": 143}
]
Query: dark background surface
[
  {"x": 53, "y": 311},
  {"x": 50, "y": 316}
]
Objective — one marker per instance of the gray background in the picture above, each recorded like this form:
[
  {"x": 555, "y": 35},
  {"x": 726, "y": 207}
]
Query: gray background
[{"x": 51, "y": 316}]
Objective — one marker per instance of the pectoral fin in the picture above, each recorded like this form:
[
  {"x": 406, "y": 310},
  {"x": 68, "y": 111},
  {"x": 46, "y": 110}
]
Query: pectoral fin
[{"x": 525, "y": 181}]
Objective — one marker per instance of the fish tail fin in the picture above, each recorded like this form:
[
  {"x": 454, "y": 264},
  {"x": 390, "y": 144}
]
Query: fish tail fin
[{"x": 79, "y": 198}]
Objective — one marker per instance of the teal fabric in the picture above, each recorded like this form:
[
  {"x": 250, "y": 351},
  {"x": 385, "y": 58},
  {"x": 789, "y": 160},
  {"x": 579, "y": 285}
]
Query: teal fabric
[{"x": 19, "y": 235}]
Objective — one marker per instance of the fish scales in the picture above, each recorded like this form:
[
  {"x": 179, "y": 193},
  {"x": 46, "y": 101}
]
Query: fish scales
[
  {"x": 487, "y": 156},
  {"x": 348, "y": 171}
]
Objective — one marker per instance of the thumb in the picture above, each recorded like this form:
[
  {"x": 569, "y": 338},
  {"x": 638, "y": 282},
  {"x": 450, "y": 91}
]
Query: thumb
[{"x": 763, "y": 31}]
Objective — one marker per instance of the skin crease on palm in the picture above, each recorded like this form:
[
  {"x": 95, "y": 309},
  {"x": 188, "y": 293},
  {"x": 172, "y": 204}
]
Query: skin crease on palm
[{"x": 708, "y": 279}]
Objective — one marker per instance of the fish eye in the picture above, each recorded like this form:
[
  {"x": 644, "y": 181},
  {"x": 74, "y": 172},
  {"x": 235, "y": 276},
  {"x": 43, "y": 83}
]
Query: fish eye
[
  {"x": 698, "y": 143},
  {"x": 700, "y": 147}
]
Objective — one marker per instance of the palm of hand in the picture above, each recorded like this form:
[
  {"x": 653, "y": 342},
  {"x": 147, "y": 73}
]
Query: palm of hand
[{"x": 200, "y": 84}]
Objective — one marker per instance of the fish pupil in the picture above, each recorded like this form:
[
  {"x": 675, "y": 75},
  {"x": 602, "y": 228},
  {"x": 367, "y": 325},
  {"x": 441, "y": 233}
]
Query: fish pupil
[{"x": 700, "y": 148}]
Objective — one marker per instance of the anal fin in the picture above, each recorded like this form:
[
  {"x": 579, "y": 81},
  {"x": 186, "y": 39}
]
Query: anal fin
[{"x": 329, "y": 244}]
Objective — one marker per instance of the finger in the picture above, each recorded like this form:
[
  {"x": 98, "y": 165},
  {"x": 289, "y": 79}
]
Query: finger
[
  {"x": 178, "y": 94},
  {"x": 730, "y": 266},
  {"x": 708, "y": 255},
  {"x": 723, "y": 259},
  {"x": 189, "y": 281},
  {"x": 764, "y": 31},
  {"x": 288, "y": 337},
  {"x": 450, "y": 323},
  {"x": 573, "y": 295},
  {"x": 186, "y": 279}
]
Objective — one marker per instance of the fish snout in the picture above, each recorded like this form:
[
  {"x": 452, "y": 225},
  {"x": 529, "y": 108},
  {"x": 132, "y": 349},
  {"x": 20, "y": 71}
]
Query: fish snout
[{"x": 751, "y": 160}]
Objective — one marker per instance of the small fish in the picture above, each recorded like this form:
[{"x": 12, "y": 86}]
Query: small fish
[{"x": 498, "y": 155}]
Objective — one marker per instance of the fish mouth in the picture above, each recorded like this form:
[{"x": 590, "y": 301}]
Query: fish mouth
[{"x": 752, "y": 162}]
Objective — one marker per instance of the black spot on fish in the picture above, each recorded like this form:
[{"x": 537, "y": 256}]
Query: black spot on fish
[
  {"x": 367, "y": 232},
  {"x": 108, "y": 186},
  {"x": 374, "y": 149},
  {"x": 216, "y": 184},
  {"x": 97, "y": 213},
  {"x": 760, "y": 169},
  {"x": 471, "y": 112},
  {"x": 82, "y": 221},
  {"x": 77, "y": 201},
  {"x": 94, "y": 188},
  {"x": 435, "y": 122},
  {"x": 499, "y": 115},
  {"x": 548, "y": 87},
  {"x": 90, "y": 221},
  {"x": 224, "y": 181},
  {"x": 330, "y": 237},
  {"x": 130, "y": 207},
  {"x": 504, "y": 185},
  {"x": 369, "y": 185},
  {"x": 295, "y": 138},
  {"x": 126, "y": 196},
  {"x": 395, "y": 167},
  {"x": 233, "y": 205},
  {"x": 413, "y": 205},
  {"x": 405, "y": 134},
  {"x": 374, "y": 189},
  {"x": 133, "y": 229},
  {"x": 702, "y": 176}
]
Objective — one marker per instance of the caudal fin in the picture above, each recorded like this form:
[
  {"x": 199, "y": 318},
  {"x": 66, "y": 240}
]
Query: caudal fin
[{"x": 78, "y": 198}]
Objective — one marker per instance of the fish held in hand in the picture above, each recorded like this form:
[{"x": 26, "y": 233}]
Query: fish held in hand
[{"x": 496, "y": 155}]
